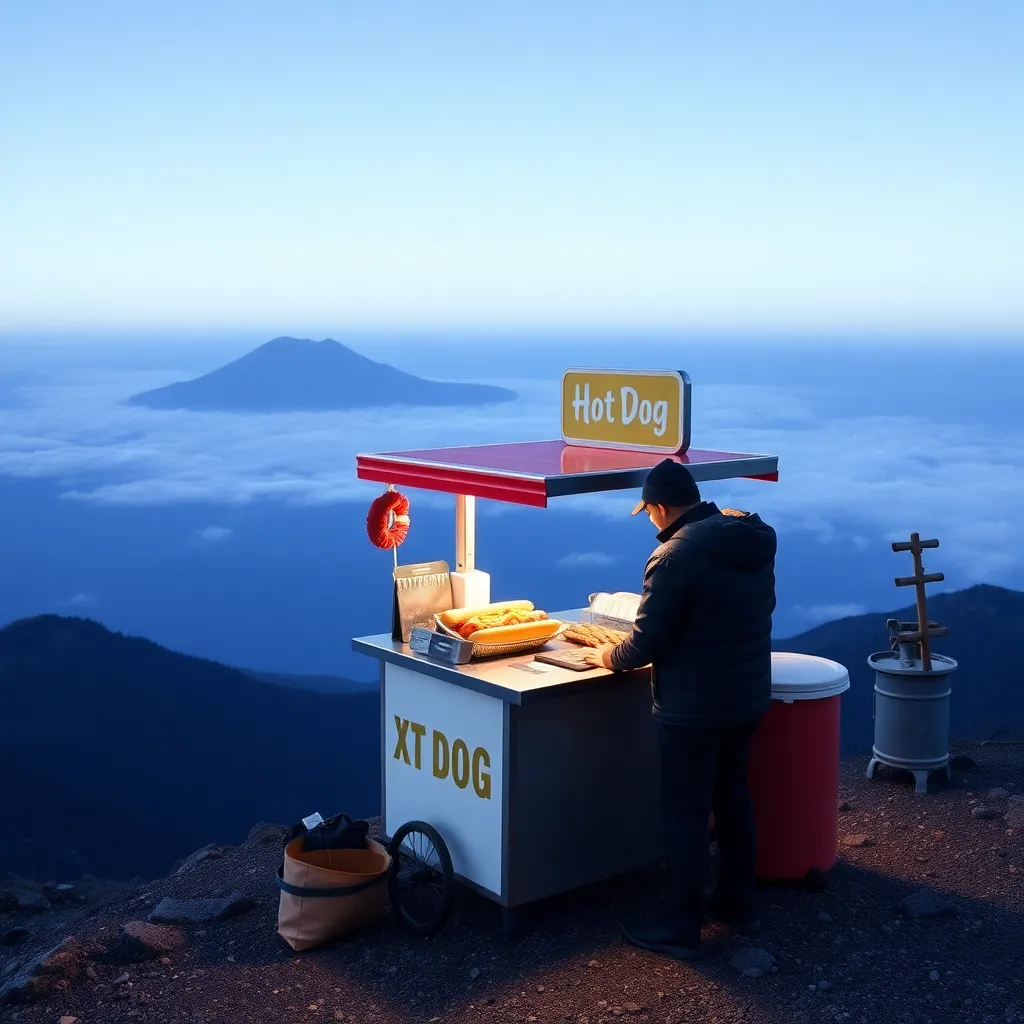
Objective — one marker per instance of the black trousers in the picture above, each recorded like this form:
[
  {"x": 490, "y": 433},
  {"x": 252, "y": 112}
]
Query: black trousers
[{"x": 705, "y": 770}]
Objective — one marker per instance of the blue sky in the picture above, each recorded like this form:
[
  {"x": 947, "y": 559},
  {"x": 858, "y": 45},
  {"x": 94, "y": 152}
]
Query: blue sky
[{"x": 671, "y": 165}]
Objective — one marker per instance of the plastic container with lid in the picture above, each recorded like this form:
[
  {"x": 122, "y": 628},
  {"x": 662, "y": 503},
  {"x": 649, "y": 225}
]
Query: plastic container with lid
[{"x": 794, "y": 768}]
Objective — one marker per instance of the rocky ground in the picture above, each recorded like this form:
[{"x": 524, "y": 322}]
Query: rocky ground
[{"x": 921, "y": 922}]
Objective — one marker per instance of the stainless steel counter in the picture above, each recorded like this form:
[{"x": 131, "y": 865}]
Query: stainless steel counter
[{"x": 504, "y": 678}]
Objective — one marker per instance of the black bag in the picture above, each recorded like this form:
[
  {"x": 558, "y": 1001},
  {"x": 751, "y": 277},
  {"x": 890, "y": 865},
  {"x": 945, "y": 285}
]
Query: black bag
[{"x": 337, "y": 833}]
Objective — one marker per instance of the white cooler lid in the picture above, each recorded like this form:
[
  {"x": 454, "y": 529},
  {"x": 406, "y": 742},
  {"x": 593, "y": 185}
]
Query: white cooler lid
[{"x": 806, "y": 677}]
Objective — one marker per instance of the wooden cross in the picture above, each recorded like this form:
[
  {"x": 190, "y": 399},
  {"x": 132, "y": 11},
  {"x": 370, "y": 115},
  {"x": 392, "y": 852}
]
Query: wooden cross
[{"x": 925, "y": 629}]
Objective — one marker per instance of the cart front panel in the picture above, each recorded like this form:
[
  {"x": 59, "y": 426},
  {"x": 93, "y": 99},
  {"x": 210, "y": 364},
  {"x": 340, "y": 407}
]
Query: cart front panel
[{"x": 444, "y": 763}]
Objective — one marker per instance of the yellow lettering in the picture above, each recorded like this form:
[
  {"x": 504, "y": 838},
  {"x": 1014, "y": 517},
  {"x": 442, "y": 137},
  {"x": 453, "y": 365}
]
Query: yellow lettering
[
  {"x": 460, "y": 764},
  {"x": 440, "y": 751},
  {"x": 419, "y": 731},
  {"x": 450, "y": 759},
  {"x": 401, "y": 750},
  {"x": 481, "y": 779}
]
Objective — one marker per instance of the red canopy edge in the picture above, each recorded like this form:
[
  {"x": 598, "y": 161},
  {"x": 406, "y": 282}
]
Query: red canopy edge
[
  {"x": 480, "y": 484},
  {"x": 531, "y": 472}
]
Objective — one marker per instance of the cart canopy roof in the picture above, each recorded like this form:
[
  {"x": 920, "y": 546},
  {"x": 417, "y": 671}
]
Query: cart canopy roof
[{"x": 531, "y": 472}]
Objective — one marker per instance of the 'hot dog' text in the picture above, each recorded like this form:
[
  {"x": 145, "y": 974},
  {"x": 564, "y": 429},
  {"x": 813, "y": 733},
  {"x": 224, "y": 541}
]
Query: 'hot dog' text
[{"x": 628, "y": 405}]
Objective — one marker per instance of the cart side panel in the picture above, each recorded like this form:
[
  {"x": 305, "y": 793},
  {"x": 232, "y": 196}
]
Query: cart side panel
[
  {"x": 508, "y": 839},
  {"x": 584, "y": 787},
  {"x": 444, "y": 763},
  {"x": 384, "y": 834}
]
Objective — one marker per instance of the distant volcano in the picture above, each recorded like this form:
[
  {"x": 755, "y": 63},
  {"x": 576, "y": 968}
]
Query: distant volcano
[{"x": 300, "y": 375}]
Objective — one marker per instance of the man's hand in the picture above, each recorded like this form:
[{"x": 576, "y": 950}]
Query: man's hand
[{"x": 599, "y": 657}]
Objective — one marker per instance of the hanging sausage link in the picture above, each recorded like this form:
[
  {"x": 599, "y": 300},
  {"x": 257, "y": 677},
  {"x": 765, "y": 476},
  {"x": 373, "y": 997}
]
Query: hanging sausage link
[{"x": 387, "y": 523}]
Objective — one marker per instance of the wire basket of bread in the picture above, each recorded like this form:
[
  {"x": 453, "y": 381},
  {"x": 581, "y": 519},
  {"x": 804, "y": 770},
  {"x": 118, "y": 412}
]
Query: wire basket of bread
[{"x": 501, "y": 629}]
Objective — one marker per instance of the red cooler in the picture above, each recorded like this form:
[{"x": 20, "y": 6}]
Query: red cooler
[{"x": 794, "y": 768}]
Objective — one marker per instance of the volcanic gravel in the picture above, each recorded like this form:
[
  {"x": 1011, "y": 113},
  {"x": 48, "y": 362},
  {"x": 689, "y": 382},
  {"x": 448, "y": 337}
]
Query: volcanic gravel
[{"x": 921, "y": 922}]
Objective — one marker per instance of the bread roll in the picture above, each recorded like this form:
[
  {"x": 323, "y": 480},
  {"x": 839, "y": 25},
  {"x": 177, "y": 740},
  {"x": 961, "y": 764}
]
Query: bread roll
[{"x": 542, "y": 630}]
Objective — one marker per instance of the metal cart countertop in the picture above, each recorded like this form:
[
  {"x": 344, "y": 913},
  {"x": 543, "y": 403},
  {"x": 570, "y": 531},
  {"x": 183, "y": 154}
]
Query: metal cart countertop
[{"x": 498, "y": 677}]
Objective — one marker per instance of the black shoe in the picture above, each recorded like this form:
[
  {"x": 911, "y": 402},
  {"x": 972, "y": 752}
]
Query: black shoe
[
  {"x": 664, "y": 938},
  {"x": 742, "y": 922}
]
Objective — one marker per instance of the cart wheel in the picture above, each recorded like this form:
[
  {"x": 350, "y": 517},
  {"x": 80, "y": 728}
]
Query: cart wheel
[{"x": 422, "y": 882}]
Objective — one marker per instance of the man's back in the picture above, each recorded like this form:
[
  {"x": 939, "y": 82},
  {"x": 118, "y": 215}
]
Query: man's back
[{"x": 706, "y": 617}]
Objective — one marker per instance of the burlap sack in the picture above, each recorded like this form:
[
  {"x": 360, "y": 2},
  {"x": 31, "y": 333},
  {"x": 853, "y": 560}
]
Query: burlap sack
[{"x": 329, "y": 893}]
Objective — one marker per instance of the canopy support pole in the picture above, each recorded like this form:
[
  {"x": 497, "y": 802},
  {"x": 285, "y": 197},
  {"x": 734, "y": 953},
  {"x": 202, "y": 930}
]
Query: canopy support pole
[{"x": 465, "y": 532}]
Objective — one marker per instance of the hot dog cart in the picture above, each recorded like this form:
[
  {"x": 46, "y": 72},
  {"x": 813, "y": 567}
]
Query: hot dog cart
[{"x": 517, "y": 776}]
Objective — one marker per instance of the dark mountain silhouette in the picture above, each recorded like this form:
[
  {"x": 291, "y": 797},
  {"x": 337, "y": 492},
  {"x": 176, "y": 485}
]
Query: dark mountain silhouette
[
  {"x": 119, "y": 756},
  {"x": 292, "y": 374},
  {"x": 317, "y": 684},
  {"x": 988, "y": 695}
]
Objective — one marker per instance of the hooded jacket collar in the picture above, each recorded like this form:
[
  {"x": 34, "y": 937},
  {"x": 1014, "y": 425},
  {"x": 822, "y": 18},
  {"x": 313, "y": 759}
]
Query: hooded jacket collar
[{"x": 704, "y": 510}]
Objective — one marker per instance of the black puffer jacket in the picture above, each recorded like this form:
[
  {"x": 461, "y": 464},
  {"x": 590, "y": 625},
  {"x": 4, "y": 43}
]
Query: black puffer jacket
[{"x": 705, "y": 619}]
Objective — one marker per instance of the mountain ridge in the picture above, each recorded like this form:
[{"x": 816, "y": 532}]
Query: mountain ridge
[
  {"x": 987, "y": 701},
  {"x": 116, "y": 736},
  {"x": 289, "y": 374}
]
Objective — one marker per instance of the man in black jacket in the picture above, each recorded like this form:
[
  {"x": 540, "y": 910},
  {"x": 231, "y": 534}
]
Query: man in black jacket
[{"x": 704, "y": 626}]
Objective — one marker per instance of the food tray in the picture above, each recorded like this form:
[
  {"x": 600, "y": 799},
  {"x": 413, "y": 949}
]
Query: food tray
[{"x": 502, "y": 650}]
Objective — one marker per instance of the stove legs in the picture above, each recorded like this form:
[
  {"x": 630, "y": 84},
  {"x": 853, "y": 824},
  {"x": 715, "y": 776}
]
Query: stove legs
[{"x": 921, "y": 776}]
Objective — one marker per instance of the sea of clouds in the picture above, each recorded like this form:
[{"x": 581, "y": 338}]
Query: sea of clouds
[{"x": 846, "y": 477}]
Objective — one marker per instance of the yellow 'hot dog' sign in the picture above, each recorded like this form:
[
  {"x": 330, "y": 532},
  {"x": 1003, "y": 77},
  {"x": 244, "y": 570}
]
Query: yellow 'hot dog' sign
[{"x": 642, "y": 410}]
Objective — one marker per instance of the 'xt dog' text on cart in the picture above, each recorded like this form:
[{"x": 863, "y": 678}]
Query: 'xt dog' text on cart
[{"x": 449, "y": 759}]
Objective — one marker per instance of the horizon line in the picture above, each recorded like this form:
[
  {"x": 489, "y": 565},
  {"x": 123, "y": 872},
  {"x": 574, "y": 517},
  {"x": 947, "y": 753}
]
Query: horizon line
[{"x": 690, "y": 333}]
